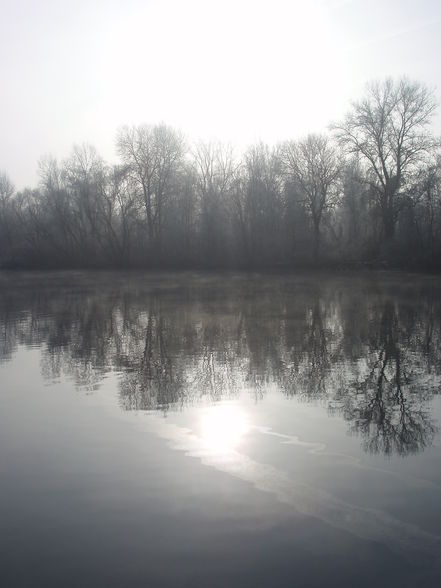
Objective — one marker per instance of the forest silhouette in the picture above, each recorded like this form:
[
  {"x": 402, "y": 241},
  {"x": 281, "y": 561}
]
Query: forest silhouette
[{"x": 368, "y": 193}]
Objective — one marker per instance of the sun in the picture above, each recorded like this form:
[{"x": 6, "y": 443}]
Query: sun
[{"x": 223, "y": 427}]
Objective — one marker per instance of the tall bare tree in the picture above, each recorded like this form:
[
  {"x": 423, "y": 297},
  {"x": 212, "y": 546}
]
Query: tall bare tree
[
  {"x": 215, "y": 169},
  {"x": 6, "y": 193},
  {"x": 314, "y": 166},
  {"x": 153, "y": 155},
  {"x": 427, "y": 211},
  {"x": 84, "y": 175},
  {"x": 263, "y": 203},
  {"x": 388, "y": 128}
]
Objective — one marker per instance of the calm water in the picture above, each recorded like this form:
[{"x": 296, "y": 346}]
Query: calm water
[{"x": 234, "y": 430}]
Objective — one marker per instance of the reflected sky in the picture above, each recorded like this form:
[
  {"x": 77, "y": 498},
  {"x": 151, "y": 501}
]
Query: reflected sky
[
  {"x": 283, "y": 414},
  {"x": 223, "y": 427}
]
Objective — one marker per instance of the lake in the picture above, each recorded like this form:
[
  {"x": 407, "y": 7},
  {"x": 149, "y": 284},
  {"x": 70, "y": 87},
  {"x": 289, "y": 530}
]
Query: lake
[{"x": 220, "y": 430}]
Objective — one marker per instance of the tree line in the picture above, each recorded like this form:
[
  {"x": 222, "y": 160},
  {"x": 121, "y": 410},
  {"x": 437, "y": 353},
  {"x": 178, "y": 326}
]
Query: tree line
[{"x": 368, "y": 192}]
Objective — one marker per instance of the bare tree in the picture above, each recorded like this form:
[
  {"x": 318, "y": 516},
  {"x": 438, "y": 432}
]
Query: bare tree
[
  {"x": 313, "y": 165},
  {"x": 59, "y": 209},
  {"x": 355, "y": 211},
  {"x": 84, "y": 176},
  {"x": 215, "y": 169},
  {"x": 388, "y": 128},
  {"x": 263, "y": 203},
  {"x": 427, "y": 210},
  {"x": 32, "y": 225},
  {"x": 6, "y": 189},
  {"x": 6, "y": 193},
  {"x": 119, "y": 213},
  {"x": 153, "y": 155}
]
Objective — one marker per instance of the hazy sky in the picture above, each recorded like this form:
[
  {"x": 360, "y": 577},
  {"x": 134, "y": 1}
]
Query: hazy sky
[{"x": 242, "y": 70}]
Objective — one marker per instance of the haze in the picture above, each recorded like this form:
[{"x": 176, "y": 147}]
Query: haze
[{"x": 236, "y": 71}]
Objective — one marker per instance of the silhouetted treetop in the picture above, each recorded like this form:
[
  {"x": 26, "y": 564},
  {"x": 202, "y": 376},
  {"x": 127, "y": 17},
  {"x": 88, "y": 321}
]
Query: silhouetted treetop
[{"x": 368, "y": 195}]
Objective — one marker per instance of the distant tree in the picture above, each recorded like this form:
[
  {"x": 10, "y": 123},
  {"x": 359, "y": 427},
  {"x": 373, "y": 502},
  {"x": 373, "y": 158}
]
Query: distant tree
[
  {"x": 119, "y": 214},
  {"x": 355, "y": 212},
  {"x": 181, "y": 243},
  {"x": 6, "y": 189},
  {"x": 84, "y": 174},
  {"x": 388, "y": 128},
  {"x": 59, "y": 210},
  {"x": 153, "y": 155},
  {"x": 6, "y": 193},
  {"x": 427, "y": 211},
  {"x": 264, "y": 203},
  {"x": 215, "y": 169},
  {"x": 72, "y": 202},
  {"x": 32, "y": 226},
  {"x": 314, "y": 166}
]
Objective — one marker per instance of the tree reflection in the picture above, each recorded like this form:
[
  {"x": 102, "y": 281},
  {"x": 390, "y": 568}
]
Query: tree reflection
[
  {"x": 152, "y": 379},
  {"x": 361, "y": 348},
  {"x": 387, "y": 406}
]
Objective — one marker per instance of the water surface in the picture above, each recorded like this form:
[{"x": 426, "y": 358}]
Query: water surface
[{"x": 182, "y": 429}]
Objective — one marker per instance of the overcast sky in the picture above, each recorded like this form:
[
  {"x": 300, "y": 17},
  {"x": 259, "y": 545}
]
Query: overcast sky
[{"x": 239, "y": 71}]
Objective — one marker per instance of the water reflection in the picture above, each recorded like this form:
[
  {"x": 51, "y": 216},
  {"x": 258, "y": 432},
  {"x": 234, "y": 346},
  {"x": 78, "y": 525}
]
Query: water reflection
[
  {"x": 365, "y": 349},
  {"x": 223, "y": 427},
  {"x": 370, "y": 524},
  {"x": 386, "y": 404}
]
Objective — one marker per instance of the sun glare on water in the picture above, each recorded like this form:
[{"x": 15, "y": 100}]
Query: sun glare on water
[{"x": 223, "y": 428}]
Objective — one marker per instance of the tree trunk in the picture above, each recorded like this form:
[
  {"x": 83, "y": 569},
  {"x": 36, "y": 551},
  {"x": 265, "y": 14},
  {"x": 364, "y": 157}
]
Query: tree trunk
[
  {"x": 388, "y": 224},
  {"x": 316, "y": 241}
]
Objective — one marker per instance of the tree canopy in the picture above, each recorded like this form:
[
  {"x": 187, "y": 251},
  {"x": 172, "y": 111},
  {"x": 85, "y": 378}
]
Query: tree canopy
[{"x": 369, "y": 193}]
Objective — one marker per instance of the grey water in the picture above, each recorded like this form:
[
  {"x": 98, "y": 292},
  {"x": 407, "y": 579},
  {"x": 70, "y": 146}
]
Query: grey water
[{"x": 220, "y": 430}]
